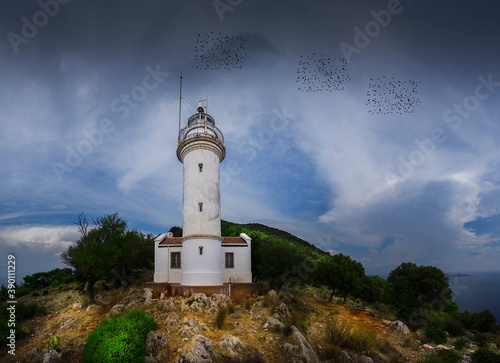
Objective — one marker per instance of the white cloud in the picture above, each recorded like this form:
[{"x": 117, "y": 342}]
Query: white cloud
[{"x": 39, "y": 238}]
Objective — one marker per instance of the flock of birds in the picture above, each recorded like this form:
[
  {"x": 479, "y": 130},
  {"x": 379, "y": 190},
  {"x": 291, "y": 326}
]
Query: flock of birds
[
  {"x": 392, "y": 96},
  {"x": 217, "y": 51},
  {"x": 317, "y": 73}
]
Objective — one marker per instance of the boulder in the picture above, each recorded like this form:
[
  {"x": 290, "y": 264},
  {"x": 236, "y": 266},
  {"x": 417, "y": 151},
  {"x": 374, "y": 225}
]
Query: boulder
[
  {"x": 166, "y": 305},
  {"x": 273, "y": 324},
  {"x": 272, "y": 296},
  {"x": 198, "y": 350},
  {"x": 153, "y": 342},
  {"x": 307, "y": 353},
  {"x": 148, "y": 293},
  {"x": 365, "y": 359},
  {"x": 287, "y": 347},
  {"x": 399, "y": 326},
  {"x": 117, "y": 310},
  {"x": 231, "y": 345},
  {"x": 52, "y": 356},
  {"x": 283, "y": 311}
]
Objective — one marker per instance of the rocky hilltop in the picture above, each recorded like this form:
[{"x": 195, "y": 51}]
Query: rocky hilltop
[{"x": 285, "y": 327}]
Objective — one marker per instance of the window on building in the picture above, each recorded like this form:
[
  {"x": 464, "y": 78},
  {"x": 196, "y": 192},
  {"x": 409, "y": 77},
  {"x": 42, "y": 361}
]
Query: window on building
[
  {"x": 175, "y": 260},
  {"x": 229, "y": 260},
  {"x": 201, "y": 250},
  {"x": 200, "y": 166},
  {"x": 201, "y": 206}
]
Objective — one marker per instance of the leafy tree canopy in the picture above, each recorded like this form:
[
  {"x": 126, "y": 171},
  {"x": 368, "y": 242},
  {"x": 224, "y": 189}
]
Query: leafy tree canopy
[{"x": 107, "y": 250}]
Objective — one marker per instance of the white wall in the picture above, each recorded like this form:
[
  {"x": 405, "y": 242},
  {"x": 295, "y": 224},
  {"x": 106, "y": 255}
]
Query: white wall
[
  {"x": 242, "y": 271},
  {"x": 202, "y": 269},
  {"x": 201, "y": 187},
  {"x": 163, "y": 272}
]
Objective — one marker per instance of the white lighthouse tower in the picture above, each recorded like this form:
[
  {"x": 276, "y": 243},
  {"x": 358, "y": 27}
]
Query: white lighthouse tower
[{"x": 201, "y": 149}]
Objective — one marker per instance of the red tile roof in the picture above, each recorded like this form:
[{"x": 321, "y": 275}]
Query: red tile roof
[{"x": 176, "y": 241}]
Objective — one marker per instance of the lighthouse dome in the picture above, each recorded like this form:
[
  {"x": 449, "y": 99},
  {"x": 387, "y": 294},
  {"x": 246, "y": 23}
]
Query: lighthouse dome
[{"x": 201, "y": 117}]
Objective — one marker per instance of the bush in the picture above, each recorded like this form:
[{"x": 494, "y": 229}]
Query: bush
[
  {"x": 230, "y": 308},
  {"x": 330, "y": 352},
  {"x": 119, "y": 339},
  {"x": 443, "y": 356},
  {"x": 287, "y": 330},
  {"x": 45, "y": 292},
  {"x": 23, "y": 312},
  {"x": 437, "y": 335},
  {"x": 453, "y": 326},
  {"x": 220, "y": 317},
  {"x": 459, "y": 343},
  {"x": 481, "y": 339},
  {"x": 35, "y": 294},
  {"x": 55, "y": 343},
  {"x": 483, "y": 355},
  {"x": 248, "y": 304}
]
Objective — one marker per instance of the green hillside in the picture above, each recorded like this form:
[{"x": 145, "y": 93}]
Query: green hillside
[{"x": 227, "y": 226}]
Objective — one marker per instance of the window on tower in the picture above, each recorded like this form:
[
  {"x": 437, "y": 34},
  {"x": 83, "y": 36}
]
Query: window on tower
[
  {"x": 175, "y": 260},
  {"x": 201, "y": 250},
  {"x": 200, "y": 166},
  {"x": 200, "y": 205},
  {"x": 229, "y": 260}
]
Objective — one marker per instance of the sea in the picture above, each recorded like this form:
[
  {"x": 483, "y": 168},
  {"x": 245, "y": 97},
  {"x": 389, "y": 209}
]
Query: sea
[{"x": 477, "y": 292}]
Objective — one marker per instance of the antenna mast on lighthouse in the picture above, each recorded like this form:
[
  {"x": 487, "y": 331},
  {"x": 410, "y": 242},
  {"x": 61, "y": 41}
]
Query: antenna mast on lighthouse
[{"x": 180, "y": 103}]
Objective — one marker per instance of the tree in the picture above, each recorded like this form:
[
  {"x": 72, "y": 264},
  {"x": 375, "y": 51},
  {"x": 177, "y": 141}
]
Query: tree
[
  {"x": 177, "y": 231},
  {"x": 90, "y": 260},
  {"x": 107, "y": 250},
  {"x": 410, "y": 287},
  {"x": 340, "y": 272}
]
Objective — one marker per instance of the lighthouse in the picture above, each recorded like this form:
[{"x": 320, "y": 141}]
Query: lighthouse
[
  {"x": 201, "y": 149},
  {"x": 201, "y": 260}
]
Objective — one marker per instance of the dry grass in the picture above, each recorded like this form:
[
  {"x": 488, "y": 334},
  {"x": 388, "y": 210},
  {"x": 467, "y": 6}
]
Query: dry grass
[
  {"x": 342, "y": 333},
  {"x": 220, "y": 317}
]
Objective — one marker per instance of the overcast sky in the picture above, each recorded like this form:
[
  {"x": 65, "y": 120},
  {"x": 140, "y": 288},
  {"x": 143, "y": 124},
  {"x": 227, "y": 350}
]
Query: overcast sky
[{"x": 369, "y": 128}]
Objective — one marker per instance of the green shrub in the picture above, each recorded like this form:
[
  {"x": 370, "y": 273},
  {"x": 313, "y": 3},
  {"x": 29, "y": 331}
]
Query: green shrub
[
  {"x": 220, "y": 317},
  {"x": 35, "y": 294},
  {"x": 453, "y": 326},
  {"x": 436, "y": 335},
  {"x": 459, "y": 343},
  {"x": 230, "y": 308},
  {"x": 483, "y": 355},
  {"x": 481, "y": 339},
  {"x": 45, "y": 292},
  {"x": 119, "y": 339},
  {"x": 443, "y": 356},
  {"x": 303, "y": 325},
  {"x": 55, "y": 343},
  {"x": 69, "y": 296}
]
